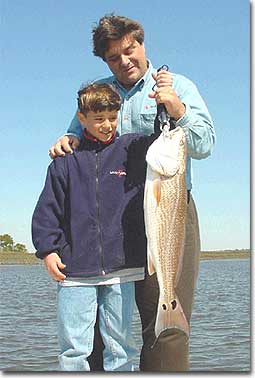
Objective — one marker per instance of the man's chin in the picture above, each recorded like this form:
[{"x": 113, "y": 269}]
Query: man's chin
[{"x": 130, "y": 80}]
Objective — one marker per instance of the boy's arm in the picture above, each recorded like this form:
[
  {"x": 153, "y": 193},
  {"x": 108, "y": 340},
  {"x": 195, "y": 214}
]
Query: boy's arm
[
  {"x": 53, "y": 265},
  {"x": 48, "y": 218}
]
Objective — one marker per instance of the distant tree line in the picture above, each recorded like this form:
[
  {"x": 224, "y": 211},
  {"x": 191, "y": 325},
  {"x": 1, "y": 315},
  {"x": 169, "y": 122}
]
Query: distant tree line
[{"x": 7, "y": 244}]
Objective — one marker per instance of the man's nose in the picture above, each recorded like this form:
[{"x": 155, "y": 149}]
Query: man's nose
[{"x": 124, "y": 60}]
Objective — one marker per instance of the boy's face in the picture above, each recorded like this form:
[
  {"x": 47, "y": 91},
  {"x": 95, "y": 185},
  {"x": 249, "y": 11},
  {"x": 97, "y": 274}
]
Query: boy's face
[{"x": 101, "y": 125}]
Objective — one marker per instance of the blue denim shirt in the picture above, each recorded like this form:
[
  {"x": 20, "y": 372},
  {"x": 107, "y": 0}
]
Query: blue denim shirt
[{"x": 138, "y": 112}]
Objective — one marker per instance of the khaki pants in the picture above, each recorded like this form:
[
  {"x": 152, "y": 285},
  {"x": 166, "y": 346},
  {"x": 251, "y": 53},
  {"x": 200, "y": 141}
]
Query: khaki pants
[{"x": 170, "y": 352}]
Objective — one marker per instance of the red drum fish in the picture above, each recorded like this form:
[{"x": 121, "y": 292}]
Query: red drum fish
[{"x": 165, "y": 206}]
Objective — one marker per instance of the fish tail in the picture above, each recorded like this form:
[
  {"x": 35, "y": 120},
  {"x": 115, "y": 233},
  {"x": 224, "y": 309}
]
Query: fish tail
[{"x": 170, "y": 315}]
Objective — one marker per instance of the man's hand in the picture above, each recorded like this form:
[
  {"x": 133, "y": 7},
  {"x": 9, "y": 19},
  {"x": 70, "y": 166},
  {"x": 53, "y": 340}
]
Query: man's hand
[
  {"x": 165, "y": 94},
  {"x": 65, "y": 144},
  {"x": 163, "y": 79},
  {"x": 53, "y": 265}
]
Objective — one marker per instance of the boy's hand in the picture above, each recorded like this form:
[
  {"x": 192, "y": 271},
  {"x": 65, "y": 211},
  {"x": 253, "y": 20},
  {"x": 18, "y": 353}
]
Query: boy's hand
[
  {"x": 53, "y": 264},
  {"x": 65, "y": 144}
]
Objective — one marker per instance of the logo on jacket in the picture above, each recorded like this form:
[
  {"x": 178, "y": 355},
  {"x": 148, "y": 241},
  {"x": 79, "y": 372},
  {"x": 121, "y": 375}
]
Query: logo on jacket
[{"x": 118, "y": 173}]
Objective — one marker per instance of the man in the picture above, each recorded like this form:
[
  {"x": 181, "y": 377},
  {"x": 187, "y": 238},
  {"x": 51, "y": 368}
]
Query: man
[{"x": 119, "y": 41}]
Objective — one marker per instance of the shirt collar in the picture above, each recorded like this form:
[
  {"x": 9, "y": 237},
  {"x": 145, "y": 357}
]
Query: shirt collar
[
  {"x": 92, "y": 139},
  {"x": 147, "y": 75}
]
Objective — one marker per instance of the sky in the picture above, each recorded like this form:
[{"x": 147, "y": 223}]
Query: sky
[{"x": 46, "y": 53}]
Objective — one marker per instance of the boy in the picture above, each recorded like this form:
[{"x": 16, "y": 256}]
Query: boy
[{"x": 88, "y": 227}]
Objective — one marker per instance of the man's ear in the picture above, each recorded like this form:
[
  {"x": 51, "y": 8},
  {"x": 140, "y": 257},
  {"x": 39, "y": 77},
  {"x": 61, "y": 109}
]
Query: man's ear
[{"x": 81, "y": 118}]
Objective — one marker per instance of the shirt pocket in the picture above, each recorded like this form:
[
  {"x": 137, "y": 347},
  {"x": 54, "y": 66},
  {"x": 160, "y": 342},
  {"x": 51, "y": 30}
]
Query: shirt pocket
[{"x": 147, "y": 123}]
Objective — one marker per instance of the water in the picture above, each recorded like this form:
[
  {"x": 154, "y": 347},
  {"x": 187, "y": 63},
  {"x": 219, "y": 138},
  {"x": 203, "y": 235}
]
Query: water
[{"x": 220, "y": 326}]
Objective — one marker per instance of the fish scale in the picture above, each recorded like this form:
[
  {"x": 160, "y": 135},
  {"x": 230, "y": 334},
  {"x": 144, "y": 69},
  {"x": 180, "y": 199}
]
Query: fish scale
[{"x": 165, "y": 206}]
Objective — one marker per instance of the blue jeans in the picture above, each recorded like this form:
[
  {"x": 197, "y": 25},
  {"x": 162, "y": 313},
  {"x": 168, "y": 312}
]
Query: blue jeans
[{"x": 77, "y": 309}]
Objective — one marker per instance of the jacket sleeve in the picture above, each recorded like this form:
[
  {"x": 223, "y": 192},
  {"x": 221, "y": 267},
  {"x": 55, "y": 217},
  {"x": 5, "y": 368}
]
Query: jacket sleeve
[
  {"x": 48, "y": 229},
  {"x": 196, "y": 122}
]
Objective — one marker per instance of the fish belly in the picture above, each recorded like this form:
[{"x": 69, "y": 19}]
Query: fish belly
[{"x": 165, "y": 206}]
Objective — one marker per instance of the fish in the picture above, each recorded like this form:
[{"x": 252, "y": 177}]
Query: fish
[{"x": 165, "y": 208}]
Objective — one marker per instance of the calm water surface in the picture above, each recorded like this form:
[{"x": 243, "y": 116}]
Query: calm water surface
[{"x": 220, "y": 327}]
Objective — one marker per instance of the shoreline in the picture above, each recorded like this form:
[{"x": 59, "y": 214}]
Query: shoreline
[{"x": 14, "y": 258}]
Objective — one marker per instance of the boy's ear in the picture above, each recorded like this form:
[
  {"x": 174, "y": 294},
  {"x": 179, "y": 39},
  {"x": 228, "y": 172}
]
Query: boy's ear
[{"x": 81, "y": 118}]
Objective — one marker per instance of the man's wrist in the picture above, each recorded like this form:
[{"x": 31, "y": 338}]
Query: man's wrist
[
  {"x": 180, "y": 112},
  {"x": 72, "y": 134}
]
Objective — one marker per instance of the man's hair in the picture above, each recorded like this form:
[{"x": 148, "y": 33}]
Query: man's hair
[
  {"x": 98, "y": 97},
  {"x": 112, "y": 27}
]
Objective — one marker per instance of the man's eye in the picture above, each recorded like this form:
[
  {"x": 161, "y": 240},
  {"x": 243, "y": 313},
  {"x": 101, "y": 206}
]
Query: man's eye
[
  {"x": 130, "y": 50},
  {"x": 113, "y": 59}
]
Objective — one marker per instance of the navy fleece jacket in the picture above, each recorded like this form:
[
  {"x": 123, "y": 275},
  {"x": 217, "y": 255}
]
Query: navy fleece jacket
[{"x": 91, "y": 208}]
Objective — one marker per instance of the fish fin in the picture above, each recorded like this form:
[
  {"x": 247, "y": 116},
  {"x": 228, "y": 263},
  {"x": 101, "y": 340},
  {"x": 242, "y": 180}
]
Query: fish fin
[
  {"x": 150, "y": 265},
  {"x": 157, "y": 189},
  {"x": 170, "y": 315}
]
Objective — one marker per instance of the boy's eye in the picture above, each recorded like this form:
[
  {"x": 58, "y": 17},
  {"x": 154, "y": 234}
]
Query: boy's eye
[{"x": 113, "y": 119}]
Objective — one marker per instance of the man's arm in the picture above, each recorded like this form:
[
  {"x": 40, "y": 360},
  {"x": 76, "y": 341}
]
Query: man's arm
[
  {"x": 196, "y": 121},
  {"x": 65, "y": 144},
  {"x": 184, "y": 103}
]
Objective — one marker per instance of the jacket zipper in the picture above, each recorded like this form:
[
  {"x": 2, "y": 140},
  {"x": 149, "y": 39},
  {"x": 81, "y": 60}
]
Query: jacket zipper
[{"x": 98, "y": 216}]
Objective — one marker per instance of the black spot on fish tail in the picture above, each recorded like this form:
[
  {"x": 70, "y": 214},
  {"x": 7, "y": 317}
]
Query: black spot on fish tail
[{"x": 171, "y": 315}]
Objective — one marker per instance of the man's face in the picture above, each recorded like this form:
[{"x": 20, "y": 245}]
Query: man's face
[{"x": 127, "y": 60}]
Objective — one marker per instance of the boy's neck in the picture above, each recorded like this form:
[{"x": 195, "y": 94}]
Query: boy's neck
[{"x": 91, "y": 137}]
